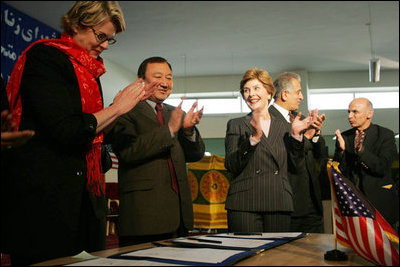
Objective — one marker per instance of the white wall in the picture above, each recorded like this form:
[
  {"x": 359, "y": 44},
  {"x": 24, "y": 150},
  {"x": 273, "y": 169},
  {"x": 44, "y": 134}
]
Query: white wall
[
  {"x": 116, "y": 78},
  {"x": 214, "y": 126}
]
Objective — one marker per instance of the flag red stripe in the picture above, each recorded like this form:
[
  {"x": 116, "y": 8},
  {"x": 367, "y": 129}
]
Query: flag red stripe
[
  {"x": 395, "y": 255},
  {"x": 114, "y": 160},
  {"x": 351, "y": 232},
  {"x": 364, "y": 236},
  {"x": 379, "y": 244},
  {"x": 339, "y": 225}
]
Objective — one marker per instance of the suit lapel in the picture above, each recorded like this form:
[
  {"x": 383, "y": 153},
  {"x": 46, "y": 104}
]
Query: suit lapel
[
  {"x": 271, "y": 142},
  {"x": 167, "y": 109},
  {"x": 266, "y": 143},
  {"x": 371, "y": 135},
  {"x": 275, "y": 113},
  {"x": 144, "y": 108}
]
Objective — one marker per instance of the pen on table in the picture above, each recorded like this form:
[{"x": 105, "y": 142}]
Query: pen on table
[
  {"x": 159, "y": 244},
  {"x": 246, "y": 233},
  {"x": 205, "y": 240}
]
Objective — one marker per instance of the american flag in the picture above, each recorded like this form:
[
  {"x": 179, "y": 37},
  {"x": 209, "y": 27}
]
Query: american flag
[
  {"x": 114, "y": 160},
  {"x": 359, "y": 225}
]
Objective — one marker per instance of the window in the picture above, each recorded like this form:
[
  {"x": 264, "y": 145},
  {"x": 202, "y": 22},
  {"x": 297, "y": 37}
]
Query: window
[
  {"x": 213, "y": 103},
  {"x": 335, "y": 98},
  {"x": 322, "y": 99}
]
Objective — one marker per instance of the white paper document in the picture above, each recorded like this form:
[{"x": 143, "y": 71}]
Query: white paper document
[
  {"x": 261, "y": 235},
  {"x": 202, "y": 255},
  {"x": 223, "y": 242},
  {"x": 120, "y": 262}
]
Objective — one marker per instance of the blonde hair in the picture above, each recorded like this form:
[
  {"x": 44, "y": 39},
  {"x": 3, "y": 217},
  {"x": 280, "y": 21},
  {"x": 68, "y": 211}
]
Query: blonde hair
[
  {"x": 91, "y": 13},
  {"x": 261, "y": 75}
]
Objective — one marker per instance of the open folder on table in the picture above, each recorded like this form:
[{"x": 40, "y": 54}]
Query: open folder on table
[
  {"x": 186, "y": 256},
  {"x": 205, "y": 250},
  {"x": 240, "y": 241}
]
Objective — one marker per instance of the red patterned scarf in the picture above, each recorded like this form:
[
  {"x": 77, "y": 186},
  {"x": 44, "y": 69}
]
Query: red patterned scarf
[{"x": 87, "y": 69}]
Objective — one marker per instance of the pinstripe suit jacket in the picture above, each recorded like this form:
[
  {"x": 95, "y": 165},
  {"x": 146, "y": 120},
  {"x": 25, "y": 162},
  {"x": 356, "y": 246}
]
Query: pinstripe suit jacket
[
  {"x": 305, "y": 183},
  {"x": 260, "y": 173},
  {"x": 148, "y": 205}
]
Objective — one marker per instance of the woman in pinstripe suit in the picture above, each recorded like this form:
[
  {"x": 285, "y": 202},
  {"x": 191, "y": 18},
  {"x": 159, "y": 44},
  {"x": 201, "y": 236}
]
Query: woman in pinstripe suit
[{"x": 259, "y": 150}]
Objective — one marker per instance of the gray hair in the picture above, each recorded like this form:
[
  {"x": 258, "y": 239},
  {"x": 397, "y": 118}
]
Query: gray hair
[{"x": 283, "y": 82}]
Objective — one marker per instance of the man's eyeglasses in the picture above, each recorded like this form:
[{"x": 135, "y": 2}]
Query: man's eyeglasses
[{"x": 102, "y": 37}]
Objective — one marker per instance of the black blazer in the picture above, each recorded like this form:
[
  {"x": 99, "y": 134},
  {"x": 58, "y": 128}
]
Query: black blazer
[
  {"x": 259, "y": 173},
  {"x": 305, "y": 182},
  {"x": 148, "y": 205},
  {"x": 46, "y": 178},
  {"x": 370, "y": 169}
]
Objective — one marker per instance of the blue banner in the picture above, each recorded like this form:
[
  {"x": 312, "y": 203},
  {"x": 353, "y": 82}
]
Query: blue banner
[{"x": 18, "y": 31}]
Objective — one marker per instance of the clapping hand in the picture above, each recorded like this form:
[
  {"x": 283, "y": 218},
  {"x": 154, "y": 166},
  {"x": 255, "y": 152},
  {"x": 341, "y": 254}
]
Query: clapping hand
[
  {"x": 192, "y": 118},
  {"x": 149, "y": 88},
  {"x": 126, "y": 99},
  {"x": 256, "y": 124},
  {"x": 340, "y": 140},
  {"x": 298, "y": 125},
  {"x": 175, "y": 121},
  {"x": 316, "y": 124},
  {"x": 10, "y": 137}
]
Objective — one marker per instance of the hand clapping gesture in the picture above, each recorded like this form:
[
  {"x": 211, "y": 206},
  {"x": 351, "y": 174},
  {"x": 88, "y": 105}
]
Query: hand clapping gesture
[
  {"x": 255, "y": 123},
  {"x": 175, "y": 121},
  {"x": 340, "y": 140},
  {"x": 10, "y": 137},
  {"x": 316, "y": 124},
  {"x": 298, "y": 125},
  {"x": 192, "y": 118},
  {"x": 137, "y": 91}
]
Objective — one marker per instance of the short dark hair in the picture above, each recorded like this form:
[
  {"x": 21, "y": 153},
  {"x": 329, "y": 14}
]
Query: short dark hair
[{"x": 143, "y": 66}]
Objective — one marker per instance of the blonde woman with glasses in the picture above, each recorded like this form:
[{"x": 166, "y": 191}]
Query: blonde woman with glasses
[{"x": 54, "y": 201}]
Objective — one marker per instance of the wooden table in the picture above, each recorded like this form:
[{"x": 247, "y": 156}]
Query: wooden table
[{"x": 306, "y": 251}]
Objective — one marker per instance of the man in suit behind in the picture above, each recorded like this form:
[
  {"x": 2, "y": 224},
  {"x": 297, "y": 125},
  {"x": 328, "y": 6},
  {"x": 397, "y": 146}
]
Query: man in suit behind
[
  {"x": 153, "y": 142},
  {"x": 366, "y": 153},
  {"x": 307, "y": 215}
]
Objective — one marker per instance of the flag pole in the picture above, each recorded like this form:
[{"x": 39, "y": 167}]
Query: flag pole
[
  {"x": 335, "y": 254},
  {"x": 333, "y": 221}
]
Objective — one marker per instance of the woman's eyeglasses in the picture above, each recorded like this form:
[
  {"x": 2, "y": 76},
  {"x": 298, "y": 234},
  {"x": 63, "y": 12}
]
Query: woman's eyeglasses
[{"x": 102, "y": 37}]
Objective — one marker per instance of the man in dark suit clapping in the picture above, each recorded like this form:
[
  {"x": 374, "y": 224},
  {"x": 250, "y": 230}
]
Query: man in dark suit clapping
[
  {"x": 153, "y": 142},
  {"x": 307, "y": 215},
  {"x": 366, "y": 153}
]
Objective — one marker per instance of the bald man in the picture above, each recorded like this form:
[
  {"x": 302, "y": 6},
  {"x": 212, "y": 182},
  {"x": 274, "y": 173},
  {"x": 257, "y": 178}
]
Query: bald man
[{"x": 366, "y": 153}]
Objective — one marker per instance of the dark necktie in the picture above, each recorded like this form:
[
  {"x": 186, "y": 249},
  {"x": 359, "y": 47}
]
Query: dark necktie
[
  {"x": 358, "y": 140},
  {"x": 170, "y": 164},
  {"x": 291, "y": 117}
]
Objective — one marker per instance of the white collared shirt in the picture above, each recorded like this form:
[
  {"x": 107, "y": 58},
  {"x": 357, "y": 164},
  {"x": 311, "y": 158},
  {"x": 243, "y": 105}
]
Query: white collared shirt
[{"x": 284, "y": 112}]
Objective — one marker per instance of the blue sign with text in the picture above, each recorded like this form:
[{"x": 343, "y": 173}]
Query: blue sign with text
[{"x": 18, "y": 31}]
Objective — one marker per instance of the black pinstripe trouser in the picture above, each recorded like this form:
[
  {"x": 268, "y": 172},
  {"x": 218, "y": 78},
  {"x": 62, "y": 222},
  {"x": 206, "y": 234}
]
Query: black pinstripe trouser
[{"x": 244, "y": 221}]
